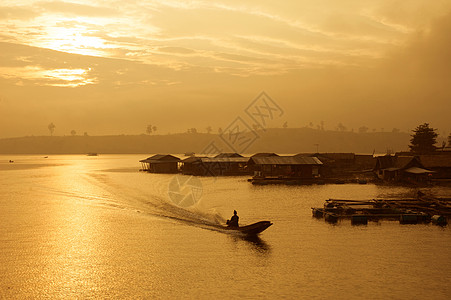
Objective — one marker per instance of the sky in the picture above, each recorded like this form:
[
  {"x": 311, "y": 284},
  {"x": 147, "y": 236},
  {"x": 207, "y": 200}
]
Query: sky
[{"x": 106, "y": 67}]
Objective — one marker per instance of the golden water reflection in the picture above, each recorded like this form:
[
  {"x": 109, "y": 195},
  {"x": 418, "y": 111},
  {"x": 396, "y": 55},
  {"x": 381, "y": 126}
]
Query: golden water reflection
[{"x": 79, "y": 228}]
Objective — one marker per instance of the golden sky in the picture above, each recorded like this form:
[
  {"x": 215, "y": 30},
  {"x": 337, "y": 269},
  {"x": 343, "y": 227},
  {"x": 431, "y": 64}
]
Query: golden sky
[{"x": 113, "y": 67}]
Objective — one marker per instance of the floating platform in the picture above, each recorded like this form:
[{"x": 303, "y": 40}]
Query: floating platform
[
  {"x": 285, "y": 180},
  {"x": 406, "y": 211}
]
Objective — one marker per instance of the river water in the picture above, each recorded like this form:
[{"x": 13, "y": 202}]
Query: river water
[{"x": 74, "y": 226}]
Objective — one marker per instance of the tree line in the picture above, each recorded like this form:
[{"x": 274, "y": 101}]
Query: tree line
[{"x": 424, "y": 138}]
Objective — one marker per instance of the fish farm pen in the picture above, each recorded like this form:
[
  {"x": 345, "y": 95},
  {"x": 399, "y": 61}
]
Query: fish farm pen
[{"x": 407, "y": 211}]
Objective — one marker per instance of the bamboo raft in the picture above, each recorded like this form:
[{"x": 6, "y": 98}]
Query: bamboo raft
[{"x": 408, "y": 211}]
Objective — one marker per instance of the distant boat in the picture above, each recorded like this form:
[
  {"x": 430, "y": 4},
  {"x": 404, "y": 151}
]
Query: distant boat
[{"x": 92, "y": 154}]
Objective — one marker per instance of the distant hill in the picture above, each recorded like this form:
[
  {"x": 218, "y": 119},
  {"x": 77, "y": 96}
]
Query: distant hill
[{"x": 279, "y": 140}]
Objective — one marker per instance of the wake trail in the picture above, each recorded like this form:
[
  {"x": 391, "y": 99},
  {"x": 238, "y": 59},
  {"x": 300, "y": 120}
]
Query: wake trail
[{"x": 155, "y": 202}]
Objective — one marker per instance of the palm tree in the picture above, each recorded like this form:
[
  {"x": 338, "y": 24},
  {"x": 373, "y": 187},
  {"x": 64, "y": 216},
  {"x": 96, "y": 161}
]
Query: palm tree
[
  {"x": 51, "y": 128},
  {"x": 149, "y": 129}
]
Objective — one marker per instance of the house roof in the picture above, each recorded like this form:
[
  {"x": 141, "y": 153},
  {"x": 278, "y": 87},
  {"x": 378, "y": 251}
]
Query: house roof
[
  {"x": 393, "y": 163},
  {"x": 192, "y": 159},
  {"x": 161, "y": 158},
  {"x": 436, "y": 161},
  {"x": 224, "y": 159},
  {"x": 229, "y": 155},
  {"x": 416, "y": 170},
  {"x": 204, "y": 159},
  {"x": 402, "y": 161},
  {"x": 338, "y": 156},
  {"x": 365, "y": 159},
  {"x": 264, "y": 154},
  {"x": 385, "y": 162},
  {"x": 286, "y": 160}
]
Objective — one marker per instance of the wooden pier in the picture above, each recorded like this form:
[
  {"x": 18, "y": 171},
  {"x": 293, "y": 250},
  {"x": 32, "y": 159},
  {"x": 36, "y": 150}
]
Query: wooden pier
[{"x": 406, "y": 211}]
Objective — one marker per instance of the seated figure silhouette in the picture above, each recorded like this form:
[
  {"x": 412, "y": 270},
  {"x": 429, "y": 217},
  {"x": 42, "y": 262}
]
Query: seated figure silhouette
[{"x": 233, "y": 222}]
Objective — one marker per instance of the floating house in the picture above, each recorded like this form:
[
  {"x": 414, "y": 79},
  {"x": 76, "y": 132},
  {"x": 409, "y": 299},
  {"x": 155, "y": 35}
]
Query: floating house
[
  {"x": 338, "y": 160},
  {"x": 216, "y": 166},
  {"x": 401, "y": 169},
  {"x": 285, "y": 166},
  {"x": 364, "y": 162},
  {"x": 439, "y": 163},
  {"x": 346, "y": 165},
  {"x": 193, "y": 166},
  {"x": 161, "y": 163}
]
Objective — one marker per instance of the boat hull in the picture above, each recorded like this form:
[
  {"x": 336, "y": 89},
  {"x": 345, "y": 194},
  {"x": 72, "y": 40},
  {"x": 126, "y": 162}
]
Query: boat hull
[{"x": 252, "y": 229}]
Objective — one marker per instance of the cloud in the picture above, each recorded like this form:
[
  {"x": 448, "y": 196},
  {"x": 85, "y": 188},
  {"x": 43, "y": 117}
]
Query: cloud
[
  {"x": 17, "y": 12},
  {"x": 426, "y": 54},
  {"x": 208, "y": 34},
  {"x": 47, "y": 77},
  {"x": 77, "y": 9},
  {"x": 176, "y": 50}
]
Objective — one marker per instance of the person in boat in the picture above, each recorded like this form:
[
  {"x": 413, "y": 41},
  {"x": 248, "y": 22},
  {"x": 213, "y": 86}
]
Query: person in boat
[{"x": 233, "y": 222}]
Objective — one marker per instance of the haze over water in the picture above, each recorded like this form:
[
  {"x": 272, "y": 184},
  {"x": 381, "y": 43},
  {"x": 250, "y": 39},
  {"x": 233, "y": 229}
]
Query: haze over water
[{"x": 73, "y": 226}]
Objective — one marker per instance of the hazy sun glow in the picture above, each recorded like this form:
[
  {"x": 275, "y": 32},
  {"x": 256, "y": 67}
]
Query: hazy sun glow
[
  {"x": 51, "y": 77},
  {"x": 77, "y": 40}
]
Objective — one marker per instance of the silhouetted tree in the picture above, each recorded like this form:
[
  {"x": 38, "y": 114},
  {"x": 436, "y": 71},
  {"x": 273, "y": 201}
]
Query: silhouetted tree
[
  {"x": 51, "y": 128},
  {"x": 73, "y": 132},
  {"x": 149, "y": 129},
  {"x": 423, "y": 139},
  {"x": 85, "y": 134},
  {"x": 209, "y": 129},
  {"x": 192, "y": 130},
  {"x": 154, "y": 128}
]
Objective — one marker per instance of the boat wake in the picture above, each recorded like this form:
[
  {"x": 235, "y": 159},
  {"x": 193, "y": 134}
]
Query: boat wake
[
  {"x": 153, "y": 200},
  {"x": 138, "y": 196}
]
